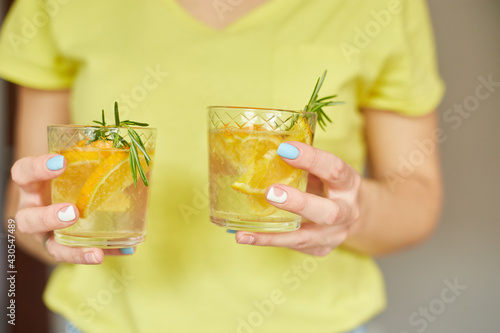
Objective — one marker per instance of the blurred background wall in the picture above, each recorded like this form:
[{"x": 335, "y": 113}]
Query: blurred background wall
[
  {"x": 450, "y": 284},
  {"x": 466, "y": 246},
  {"x": 3, "y": 166},
  {"x": 31, "y": 313}
]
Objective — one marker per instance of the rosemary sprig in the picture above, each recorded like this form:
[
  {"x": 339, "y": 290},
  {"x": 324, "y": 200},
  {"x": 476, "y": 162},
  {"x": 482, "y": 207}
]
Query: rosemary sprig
[
  {"x": 112, "y": 133},
  {"x": 316, "y": 105}
]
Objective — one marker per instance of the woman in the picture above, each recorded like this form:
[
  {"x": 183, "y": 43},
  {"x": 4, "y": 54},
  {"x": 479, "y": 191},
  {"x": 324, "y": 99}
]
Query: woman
[{"x": 165, "y": 61}]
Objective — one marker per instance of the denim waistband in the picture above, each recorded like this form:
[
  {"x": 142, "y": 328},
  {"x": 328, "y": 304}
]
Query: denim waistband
[
  {"x": 360, "y": 329},
  {"x": 72, "y": 329}
]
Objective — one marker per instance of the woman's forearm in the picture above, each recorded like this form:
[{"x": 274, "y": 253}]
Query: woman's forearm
[{"x": 393, "y": 218}]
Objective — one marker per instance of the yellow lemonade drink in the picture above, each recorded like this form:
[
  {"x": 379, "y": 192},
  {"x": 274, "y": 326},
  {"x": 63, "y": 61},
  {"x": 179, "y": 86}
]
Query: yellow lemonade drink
[
  {"x": 98, "y": 181},
  {"x": 243, "y": 159}
]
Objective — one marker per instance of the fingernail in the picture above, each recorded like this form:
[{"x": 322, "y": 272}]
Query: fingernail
[
  {"x": 276, "y": 194},
  {"x": 55, "y": 163},
  {"x": 231, "y": 231},
  {"x": 288, "y": 151},
  {"x": 90, "y": 258},
  {"x": 127, "y": 250},
  {"x": 66, "y": 214},
  {"x": 246, "y": 239}
]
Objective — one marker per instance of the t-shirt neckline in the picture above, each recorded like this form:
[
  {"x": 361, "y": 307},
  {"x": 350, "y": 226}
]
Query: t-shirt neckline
[{"x": 260, "y": 12}]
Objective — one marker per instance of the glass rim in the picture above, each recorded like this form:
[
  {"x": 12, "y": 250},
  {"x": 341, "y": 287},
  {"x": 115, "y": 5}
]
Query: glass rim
[
  {"x": 83, "y": 127},
  {"x": 259, "y": 109}
]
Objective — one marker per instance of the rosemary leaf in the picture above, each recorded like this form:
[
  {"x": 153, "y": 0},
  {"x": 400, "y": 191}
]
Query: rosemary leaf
[
  {"x": 133, "y": 167},
  {"x": 143, "y": 175},
  {"x": 316, "y": 105},
  {"x": 136, "y": 140},
  {"x": 116, "y": 138},
  {"x": 325, "y": 98},
  {"x": 103, "y": 118},
  {"x": 134, "y": 123},
  {"x": 117, "y": 115},
  {"x": 112, "y": 133}
]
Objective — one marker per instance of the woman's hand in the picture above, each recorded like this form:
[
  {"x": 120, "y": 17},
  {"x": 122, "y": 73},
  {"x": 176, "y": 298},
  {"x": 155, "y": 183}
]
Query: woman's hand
[
  {"x": 36, "y": 216},
  {"x": 329, "y": 209}
]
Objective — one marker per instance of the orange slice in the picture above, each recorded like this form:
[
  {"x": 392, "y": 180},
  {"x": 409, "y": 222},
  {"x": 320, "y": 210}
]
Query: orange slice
[
  {"x": 81, "y": 161},
  {"x": 99, "y": 144},
  {"x": 264, "y": 172},
  {"x": 302, "y": 130},
  {"x": 109, "y": 177},
  {"x": 265, "y": 167},
  {"x": 260, "y": 206}
]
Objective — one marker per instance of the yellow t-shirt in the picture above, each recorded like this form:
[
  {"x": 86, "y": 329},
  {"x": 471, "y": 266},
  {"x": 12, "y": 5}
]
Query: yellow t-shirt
[{"x": 165, "y": 68}]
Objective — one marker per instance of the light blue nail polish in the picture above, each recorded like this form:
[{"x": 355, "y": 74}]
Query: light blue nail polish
[
  {"x": 55, "y": 163},
  {"x": 127, "y": 250},
  {"x": 288, "y": 151},
  {"x": 231, "y": 231}
]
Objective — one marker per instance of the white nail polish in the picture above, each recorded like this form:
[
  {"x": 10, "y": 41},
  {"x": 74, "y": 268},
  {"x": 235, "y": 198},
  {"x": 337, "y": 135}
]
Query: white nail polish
[
  {"x": 66, "y": 215},
  {"x": 274, "y": 195}
]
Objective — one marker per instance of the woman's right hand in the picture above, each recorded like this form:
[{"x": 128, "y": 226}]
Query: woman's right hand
[{"x": 35, "y": 215}]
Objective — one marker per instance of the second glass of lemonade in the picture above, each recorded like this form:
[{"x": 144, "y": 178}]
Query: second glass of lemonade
[
  {"x": 243, "y": 145},
  {"x": 98, "y": 181}
]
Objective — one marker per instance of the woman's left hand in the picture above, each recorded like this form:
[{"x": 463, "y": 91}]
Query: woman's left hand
[{"x": 329, "y": 208}]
